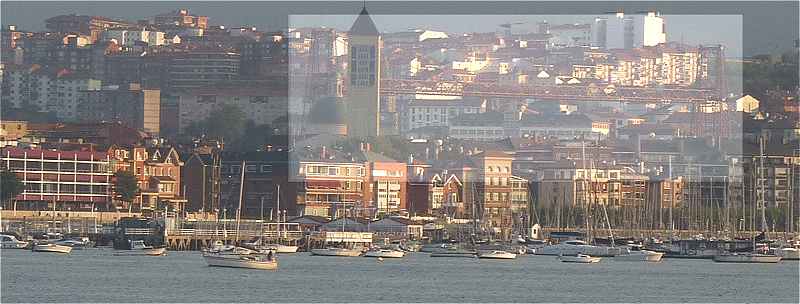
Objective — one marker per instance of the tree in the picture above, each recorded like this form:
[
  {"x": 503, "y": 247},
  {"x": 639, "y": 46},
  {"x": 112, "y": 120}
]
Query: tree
[
  {"x": 227, "y": 123},
  {"x": 10, "y": 185},
  {"x": 125, "y": 186}
]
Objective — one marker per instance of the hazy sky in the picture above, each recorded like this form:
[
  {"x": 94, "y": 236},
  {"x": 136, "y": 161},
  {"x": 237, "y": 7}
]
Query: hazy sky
[{"x": 755, "y": 27}]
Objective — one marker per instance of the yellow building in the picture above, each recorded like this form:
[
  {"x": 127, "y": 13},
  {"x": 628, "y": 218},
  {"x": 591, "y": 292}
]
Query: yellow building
[{"x": 363, "y": 119}]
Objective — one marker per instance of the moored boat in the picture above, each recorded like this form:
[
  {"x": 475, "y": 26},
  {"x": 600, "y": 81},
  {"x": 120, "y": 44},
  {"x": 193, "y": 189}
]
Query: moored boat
[
  {"x": 497, "y": 254},
  {"x": 340, "y": 252},
  {"x": 746, "y": 258},
  {"x": 579, "y": 258},
  {"x": 75, "y": 243},
  {"x": 280, "y": 248},
  {"x": 636, "y": 253},
  {"x": 11, "y": 242},
  {"x": 250, "y": 261},
  {"x": 454, "y": 252},
  {"x": 384, "y": 253},
  {"x": 52, "y": 248},
  {"x": 138, "y": 247}
]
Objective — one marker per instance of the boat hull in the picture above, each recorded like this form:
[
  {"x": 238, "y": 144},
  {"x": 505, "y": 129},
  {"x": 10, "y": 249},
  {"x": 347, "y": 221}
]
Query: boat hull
[
  {"x": 582, "y": 260},
  {"x": 384, "y": 254},
  {"x": 239, "y": 262},
  {"x": 651, "y": 256},
  {"x": 336, "y": 252},
  {"x": 455, "y": 254},
  {"x": 282, "y": 248},
  {"x": 52, "y": 248},
  {"x": 746, "y": 258},
  {"x": 498, "y": 256},
  {"x": 15, "y": 245},
  {"x": 142, "y": 252}
]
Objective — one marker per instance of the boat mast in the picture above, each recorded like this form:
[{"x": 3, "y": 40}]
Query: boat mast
[
  {"x": 280, "y": 220},
  {"x": 241, "y": 194},
  {"x": 761, "y": 183}
]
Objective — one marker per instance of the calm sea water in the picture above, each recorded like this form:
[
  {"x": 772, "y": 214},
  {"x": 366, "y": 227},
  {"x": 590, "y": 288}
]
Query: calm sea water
[{"x": 95, "y": 275}]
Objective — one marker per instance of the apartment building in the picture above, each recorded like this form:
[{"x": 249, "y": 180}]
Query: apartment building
[
  {"x": 61, "y": 180},
  {"x": 130, "y": 104}
]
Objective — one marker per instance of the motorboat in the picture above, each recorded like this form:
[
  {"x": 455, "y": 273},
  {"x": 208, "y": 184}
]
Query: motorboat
[
  {"x": 497, "y": 254},
  {"x": 138, "y": 247},
  {"x": 637, "y": 253},
  {"x": 454, "y": 252},
  {"x": 11, "y": 242},
  {"x": 252, "y": 261},
  {"x": 75, "y": 243},
  {"x": 49, "y": 247},
  {"x": 531, "y": 246},
  {"x": 384, "y": 253},
  {"x": 748, "y": 257},
  {"x": 332, "y": 251},
  {"x": 579, "y": 258},
  {"x": 573, "y": 247},
  {"x": 430, "y": 248}
]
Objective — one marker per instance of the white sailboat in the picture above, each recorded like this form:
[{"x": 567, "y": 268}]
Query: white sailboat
[
  {"x": 384, "y": 253},
  {"x": 251, "y": 261},
  {"x": 278, "y": 247}
]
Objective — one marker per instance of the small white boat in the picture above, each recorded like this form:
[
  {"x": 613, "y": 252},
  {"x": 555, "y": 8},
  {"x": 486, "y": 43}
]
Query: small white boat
[
  {"x": 340, "y": 252},
  {"x": 11, "y": 242},
  {"x": 746, "y": 258},
  {"x": 280, "y": 248},
  {"x": 52, "y": 248},
  {"x": 384, "y": 253},
  {"x": 138, "y": 247},
  {"x": 497, "y": 254},
  {"x": 636, "y": 253},
  {"x": 579, "y": 258},
  {"x": 251, "y": 261}
]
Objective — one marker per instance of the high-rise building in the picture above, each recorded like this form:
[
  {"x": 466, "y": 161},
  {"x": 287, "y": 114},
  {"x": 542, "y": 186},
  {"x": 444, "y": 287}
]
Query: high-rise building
[
  {"x": 626, "y": 32},
  {"x": 364, "y": 73}
]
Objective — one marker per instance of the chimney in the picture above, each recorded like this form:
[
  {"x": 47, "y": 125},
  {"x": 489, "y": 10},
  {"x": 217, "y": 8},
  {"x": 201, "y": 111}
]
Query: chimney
[
  {"x": 369, "y": 147},
  {"x": 361, "y": 147},
  {"x": 324, "y": 154}
]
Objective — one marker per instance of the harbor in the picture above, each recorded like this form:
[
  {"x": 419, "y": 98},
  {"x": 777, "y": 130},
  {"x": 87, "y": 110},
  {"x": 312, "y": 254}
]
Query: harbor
[{"x": 184, "y": 277}]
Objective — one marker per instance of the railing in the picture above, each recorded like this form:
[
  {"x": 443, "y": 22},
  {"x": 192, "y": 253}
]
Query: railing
[{"x": 232, "y": 232}]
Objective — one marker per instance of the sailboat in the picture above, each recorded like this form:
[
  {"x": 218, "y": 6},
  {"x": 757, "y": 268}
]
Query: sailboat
[
  {"x": 337, "y": 251},
  {"x": 278, "y": 247},
  {"x": 753, "y": 257},
  {"x": 222, "y": 255}
]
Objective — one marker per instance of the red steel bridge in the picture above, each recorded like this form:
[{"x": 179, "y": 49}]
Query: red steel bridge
[{"x": 552, "y": 93}]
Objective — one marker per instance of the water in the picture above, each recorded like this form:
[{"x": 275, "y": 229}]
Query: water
[{"x": 95, "y": 275}]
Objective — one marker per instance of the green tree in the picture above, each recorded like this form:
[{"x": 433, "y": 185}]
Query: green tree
[
  {"x": 227, "y": 123},
  {"x": 125, "y": 186},
  {"x": 10, "y": 185}
]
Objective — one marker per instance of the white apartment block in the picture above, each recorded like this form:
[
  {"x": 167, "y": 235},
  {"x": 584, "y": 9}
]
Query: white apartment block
[
  {"x": 53, "y": 91},
  {"x": 256, "y": 104},
  {"x": 129, "y": 37}
]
